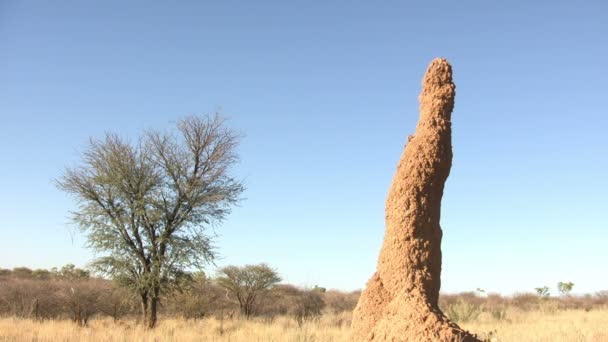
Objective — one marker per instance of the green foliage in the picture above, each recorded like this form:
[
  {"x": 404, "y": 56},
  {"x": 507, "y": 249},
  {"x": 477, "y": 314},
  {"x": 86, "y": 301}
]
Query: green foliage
[
  {"x": 542, "y": 291},
  {"x": 565, "y": 288},
  {"x": 146, "y": 207},
  {"x": 319, "y": 289},
  {"x": 71, "y": 272}
]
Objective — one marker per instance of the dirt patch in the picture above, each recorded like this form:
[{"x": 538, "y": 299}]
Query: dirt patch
[{"x": 400, "y": 300}]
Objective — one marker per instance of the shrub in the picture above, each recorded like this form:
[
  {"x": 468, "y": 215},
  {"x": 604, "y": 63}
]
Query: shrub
[
  {"x": 338, "y": 301},
  {"x": 199, "y": 298},
  {"x": 81, "y": 299},
  {"x": 525, "y": 301},
  {"x": 463, "y": 311},
  {"x": 29, "y": 298},
  {"x": 307, "y": 305}
]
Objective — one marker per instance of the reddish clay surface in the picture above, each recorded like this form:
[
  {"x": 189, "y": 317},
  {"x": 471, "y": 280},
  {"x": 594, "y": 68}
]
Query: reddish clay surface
[{"x": 400, "y": 300}]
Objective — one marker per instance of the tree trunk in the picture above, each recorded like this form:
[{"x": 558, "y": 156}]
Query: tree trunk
[
  {"x": 248, "y": 309},
  {"x": 247, "y": 306},
  {"x": 154, "y": 300},
  {"x": 115, "y": 312},
  {"x": 153, "y": 310},
  {"x": 34, "y": 309},
  {"x": 144, "y": 308}
]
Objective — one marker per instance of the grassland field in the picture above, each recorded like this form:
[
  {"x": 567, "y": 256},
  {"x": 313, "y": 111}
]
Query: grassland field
[{"x": 514, "y": 325}]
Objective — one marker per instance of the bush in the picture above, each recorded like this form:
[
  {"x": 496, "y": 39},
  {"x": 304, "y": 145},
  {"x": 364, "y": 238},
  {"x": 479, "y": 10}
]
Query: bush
[
  {"x": 526, "y": 301},
  {"x": 307, "y": 305},
  {"x": 116, "y": 302},
  {"x": 288, "y": 300},
  {"x": 81, "y": 298},
  {"x": 463, "y": 311},
  {"x": 29, "y": 298},
  {"x": 338, "y": 301},
  {"x": 201, "y": 297},
  {"x": 42, "y": 294}
]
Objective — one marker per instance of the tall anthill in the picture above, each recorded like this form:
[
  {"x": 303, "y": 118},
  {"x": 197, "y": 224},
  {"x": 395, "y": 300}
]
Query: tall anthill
[{"x": 400, "y": 300}]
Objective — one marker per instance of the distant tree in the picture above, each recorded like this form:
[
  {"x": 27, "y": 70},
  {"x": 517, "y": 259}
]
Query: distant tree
[
  {"x": 198, "y": 298},
  {"x": 319, "y": 289},
  {"x": 22, "y": 272},
  {"x": 81, "y": 298},
  {"x": 338, "y": 301},
  {"x": 41, "y": 274},
  {"x": 542, "y": 291},
  {"x": 146, "y": 207},
  {"x": 247, "y": 284},
  {"x": 31, "y": 298},
  {"x": 565, "y": 288},
  {"x": 277, "y": 301},
  {"x": 71, "y": 272},
  {"x": 115, "y": 301},
  {"x": 307, "y": 305}
]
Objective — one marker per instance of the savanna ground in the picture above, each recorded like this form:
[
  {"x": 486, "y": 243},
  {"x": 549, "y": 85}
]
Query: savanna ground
[{"x": 514, "y": 325}]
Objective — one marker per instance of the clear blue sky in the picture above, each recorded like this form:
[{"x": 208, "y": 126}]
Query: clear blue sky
[{"x": 326, "y": 94}]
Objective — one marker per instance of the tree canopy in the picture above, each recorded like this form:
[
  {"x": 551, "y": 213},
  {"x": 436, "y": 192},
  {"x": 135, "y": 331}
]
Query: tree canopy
[
  {"x": 147, "y": 206},
  {"x": 247, "y": 283}
]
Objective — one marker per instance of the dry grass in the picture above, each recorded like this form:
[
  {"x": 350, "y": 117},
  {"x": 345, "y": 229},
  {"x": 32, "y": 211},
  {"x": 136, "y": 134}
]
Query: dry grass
[
  {"x": 537, "y": 326},
  {"x": 327, "y": 328},
  {"x": 571, "y": 325}
]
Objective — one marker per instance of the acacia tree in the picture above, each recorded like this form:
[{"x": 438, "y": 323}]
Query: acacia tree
[
  {"x": 565, "y": 288},
  {"x": 247, "y": 283},
  {"x": 542, "y": 292},
  {"x": 146, "y": 207}
]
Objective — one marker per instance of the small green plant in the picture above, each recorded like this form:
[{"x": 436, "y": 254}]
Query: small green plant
[
  {"x": 565, "y": 288},
  {"x": 542, "y": 292},
  {"x": 319, "y": 289}
]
